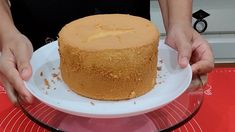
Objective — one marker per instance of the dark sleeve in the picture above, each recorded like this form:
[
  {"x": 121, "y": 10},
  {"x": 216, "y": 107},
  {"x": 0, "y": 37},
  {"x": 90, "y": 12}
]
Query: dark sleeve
[{"x": 40, "y": 19}]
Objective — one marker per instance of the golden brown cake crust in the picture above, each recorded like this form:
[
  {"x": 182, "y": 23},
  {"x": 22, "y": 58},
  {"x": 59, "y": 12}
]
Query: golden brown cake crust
[{"x": 109, "y": 57}]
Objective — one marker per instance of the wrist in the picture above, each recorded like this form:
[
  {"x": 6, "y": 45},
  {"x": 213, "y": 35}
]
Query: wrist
[
  {"x": 179, "y": 25},
  {"x": 180, "y": 20},
  {"x": 180, "y": 13},
  {"x": 8, "y": 35}
]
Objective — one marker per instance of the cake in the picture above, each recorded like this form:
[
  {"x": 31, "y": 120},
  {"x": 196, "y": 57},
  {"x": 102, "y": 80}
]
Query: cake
[{"x": 109, "y": 56}]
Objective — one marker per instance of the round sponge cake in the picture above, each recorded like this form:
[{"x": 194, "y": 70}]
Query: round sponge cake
[{"x": 109, "y": 57}]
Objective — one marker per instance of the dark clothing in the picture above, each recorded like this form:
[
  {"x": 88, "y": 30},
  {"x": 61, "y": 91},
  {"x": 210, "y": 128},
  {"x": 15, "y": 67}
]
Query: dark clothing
[{"x": 39, "y": 19}]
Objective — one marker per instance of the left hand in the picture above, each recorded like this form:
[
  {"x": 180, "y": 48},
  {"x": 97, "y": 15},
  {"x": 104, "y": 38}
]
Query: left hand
[{"x": 192, "y": 48}]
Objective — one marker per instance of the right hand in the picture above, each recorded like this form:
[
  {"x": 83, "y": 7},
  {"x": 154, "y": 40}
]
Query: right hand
[
  {"x": 15, "y": 66},
  {"x": 192, "y": 47}
]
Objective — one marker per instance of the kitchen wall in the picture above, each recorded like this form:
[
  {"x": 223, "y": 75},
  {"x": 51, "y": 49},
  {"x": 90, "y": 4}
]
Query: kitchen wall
[{"x": 221, "y": 26}]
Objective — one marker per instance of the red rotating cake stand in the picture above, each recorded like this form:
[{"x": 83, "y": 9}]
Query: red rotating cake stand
[{"x": 166, "y": 118}]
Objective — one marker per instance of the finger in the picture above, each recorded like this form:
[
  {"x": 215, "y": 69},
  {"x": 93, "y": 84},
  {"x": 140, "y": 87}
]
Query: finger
[
  {"x": 185, "y": 50},
  {"x": 204, "y": 78},
  {"x": 15, "y": 81},
  {"x": 24, "y": 69},
  {"x": 10, "y": 92},
  {"x": 202, "y": 67},
  {"x": 23, "y": 55},
  {"x": 195, "y": 84}
]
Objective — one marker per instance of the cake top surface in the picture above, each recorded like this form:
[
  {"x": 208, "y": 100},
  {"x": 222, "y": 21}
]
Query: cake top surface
[{"x": 109, "y": 31}]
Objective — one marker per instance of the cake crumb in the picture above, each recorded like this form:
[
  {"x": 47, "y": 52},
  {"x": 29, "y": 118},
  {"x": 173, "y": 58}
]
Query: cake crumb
[
  {"x": 68, "y": 90},
  {"x": 53, "y": 81},
  {"x": 132, "y": 94},
  {"x": 113, "y": 75},
  {"x": 159, "y": 68},
  {"x": 110, "y": 58},
  {"x": 41, "y": 74},
  {"x": 92, "y": 103},
  {"x": 46, "y": 83},
  {"x": 58, "y": 78},
  {"x": 54, "y": 75}
]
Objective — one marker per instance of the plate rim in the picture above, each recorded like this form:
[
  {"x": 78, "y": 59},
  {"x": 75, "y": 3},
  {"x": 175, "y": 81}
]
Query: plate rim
[{"x": 107, "y": 115}]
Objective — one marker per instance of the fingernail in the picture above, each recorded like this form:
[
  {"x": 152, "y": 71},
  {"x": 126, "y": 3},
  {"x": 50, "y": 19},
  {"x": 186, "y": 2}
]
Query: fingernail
[
  {"x": 24, "y": 74},
  {"x": 23, "y": 71},
  {"x": 184, "y": 61}
]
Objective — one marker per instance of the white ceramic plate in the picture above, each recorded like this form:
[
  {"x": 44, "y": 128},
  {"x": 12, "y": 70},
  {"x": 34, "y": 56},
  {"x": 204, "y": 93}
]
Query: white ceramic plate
[{"x": 47, "y": 86}]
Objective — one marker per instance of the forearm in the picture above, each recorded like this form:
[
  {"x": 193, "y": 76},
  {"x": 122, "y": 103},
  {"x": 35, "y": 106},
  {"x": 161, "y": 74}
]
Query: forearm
[
  {"x": 176, "y": 12},
  {"x": 180, "y": 12},
  {"x": 164, "y": 11},
  {"x": 7, "y": 26}
]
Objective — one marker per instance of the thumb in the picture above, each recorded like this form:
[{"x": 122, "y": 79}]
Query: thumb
[
  {"x": 185, "y": 50},
  {"x": 24, "y": 69}
]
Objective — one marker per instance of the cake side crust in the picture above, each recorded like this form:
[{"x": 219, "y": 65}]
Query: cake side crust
[{"x": 110, "y": 74}]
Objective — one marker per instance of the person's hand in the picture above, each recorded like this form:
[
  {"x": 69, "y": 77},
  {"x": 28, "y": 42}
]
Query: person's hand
[
  {"x": 192, "y": 48},
  {"x": 15, "y": 66}
]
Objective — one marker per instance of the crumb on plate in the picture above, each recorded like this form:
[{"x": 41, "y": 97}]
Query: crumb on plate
[
  {"x": 41, "y": 74},
  {"x": 159, "y": 68},
  {"x": 46, "y": 82},
  {"x": 92, "y": 103}
]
